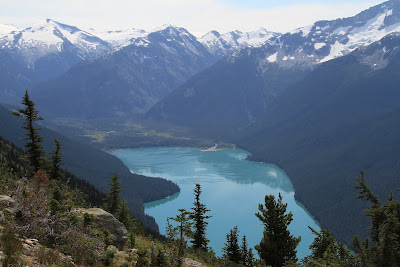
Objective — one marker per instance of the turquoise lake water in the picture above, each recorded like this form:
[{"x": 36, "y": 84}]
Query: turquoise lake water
[{"x": 232, "y": 189}]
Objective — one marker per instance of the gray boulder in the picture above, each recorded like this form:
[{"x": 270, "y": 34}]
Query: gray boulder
[
  {"x": 106, "y": 221},
  {"x": 8, "y": 204}
]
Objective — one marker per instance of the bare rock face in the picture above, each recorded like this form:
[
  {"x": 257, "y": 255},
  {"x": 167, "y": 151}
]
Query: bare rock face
[
  {"x": 8, "y": 204},
  {"x": 106, "y": 221}
]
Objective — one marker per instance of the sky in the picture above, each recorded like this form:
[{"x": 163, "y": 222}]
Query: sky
[{"x": 197, "y": 16}]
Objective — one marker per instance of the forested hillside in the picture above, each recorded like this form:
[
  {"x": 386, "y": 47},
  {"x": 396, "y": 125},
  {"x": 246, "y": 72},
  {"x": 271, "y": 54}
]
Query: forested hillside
[
  {"x": 95, "y": 166},
  {"x": 341, "y": 118}
]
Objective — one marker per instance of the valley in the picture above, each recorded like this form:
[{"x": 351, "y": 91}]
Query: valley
[{"x": 317, "y": 104}]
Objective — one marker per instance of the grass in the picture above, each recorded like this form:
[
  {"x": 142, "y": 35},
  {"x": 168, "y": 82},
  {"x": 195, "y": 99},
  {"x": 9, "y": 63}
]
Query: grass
[{"x": 115, "y": 134}]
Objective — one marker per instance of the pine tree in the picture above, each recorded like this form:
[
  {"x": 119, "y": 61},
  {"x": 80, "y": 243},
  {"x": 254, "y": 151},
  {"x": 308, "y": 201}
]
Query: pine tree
[
  {"x": 231, "y": 249},
  {"x": 180, "y": 232},
  {"x": 55, "y": 161},
  {"x": 384, "y": 250},
  {"x": 33, "y": 143},
  {"x": 162, "y": 260},
  {"x": 245, "y": 252},
  {"x": 200, "y": 224},
  {"x": 322, "y": 241},
  {"x": 124, "y": 215},
  {"x": 326, "y": 251},
  {"x": 277, "y": 245},
  {"x": 112, "y": 201},
  {"x": 250, "y": 258}
]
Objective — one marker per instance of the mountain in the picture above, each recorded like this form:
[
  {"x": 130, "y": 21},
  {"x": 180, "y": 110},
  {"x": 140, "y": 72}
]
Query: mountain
[
  {"x": 95, "y": 166},
  {"x": 231, "y": 94},
  {"x": 224, "y": 44},
  {"x": 118, "y": 38},
  {"x": 6, "y": 28},
  {"x": 127, "y": 81},
  {"x": 342, "y": 118},
  {"x": 14, "y": 78},
  {"x": 45, "y": 51}
]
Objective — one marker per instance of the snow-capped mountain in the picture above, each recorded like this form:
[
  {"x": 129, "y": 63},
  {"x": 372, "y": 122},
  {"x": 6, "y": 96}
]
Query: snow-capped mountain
[
  {"x": 119, "y": 38},
  {"x": 326, "y": 40},
  {"x": 251, "y": 79},
  {"x": 6, "y": 28},
  {"x": 128, "y": 80},
  {"x": 50, "y": 37},
  {"x": 174, "y": 40},
  {"x": 224, "y": 44}
]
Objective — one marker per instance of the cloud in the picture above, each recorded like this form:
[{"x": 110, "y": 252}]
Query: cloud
[{"x": 198, "y": 16}]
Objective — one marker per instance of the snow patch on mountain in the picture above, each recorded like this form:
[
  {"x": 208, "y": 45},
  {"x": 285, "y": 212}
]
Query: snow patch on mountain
[
  {"x": 6, "y": 28},
  {"x": 223, "y": 44},
  {"x": 52, "y": 37},
  {"x": 120, "y": 38},
  {"x": 273, "y": 57}
]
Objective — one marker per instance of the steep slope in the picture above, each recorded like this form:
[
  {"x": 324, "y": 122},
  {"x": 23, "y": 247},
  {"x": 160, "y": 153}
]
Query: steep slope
[
  {"x": 95, "y": 166},
  {"x": 342, "y": 118},
  {"x": 14, "y": 78},
  {"x": 236, "y": 89},
  {"x": 127, "y": 81}
]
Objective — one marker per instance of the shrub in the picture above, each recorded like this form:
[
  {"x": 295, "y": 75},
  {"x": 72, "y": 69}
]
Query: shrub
[{"x": 11, "y": 246}]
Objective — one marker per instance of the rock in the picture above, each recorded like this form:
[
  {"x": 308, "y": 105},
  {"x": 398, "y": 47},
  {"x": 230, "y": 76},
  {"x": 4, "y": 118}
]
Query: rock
[
  {"x": 8, "y": 204},
  {"x": 30, "y": 245},
  {"x": 2, "y": 218},
  {"x": 111, "y": 247},
  {"x": 191, "y": 263},
  {"x": 106, "y": 221}
]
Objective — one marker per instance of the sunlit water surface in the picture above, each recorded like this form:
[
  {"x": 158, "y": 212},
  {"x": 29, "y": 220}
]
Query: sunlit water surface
[{"x": 232, "y": 189}]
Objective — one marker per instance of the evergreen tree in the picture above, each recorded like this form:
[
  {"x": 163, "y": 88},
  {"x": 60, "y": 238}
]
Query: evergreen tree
[
  {"x": 162, "y": 260},
  {"x": 231, "y": 249},
  {"x": 199, "y": 218},
  {"x": 250, "y": 258},
  {"x": 55, "y": 161},
  {"x": 132, "y": 240},
  {"x": 33, "y": 143},
  {"x": 277, "y": 245},
  {"x": 124, "y": 215},
  {"x": 153, "y": 259},
  {"x": 384, "y": 250},
  {"x": 322, "y": 241},
  {"x": 326, "y": 251},
  {"x": 180, "y": 232},
  {"x": 245, "y": 252},
  {"x": 112, "y": 201}
]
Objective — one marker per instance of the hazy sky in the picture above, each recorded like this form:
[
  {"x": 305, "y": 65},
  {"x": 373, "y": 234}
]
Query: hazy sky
[{"x": 197, "y": 16}]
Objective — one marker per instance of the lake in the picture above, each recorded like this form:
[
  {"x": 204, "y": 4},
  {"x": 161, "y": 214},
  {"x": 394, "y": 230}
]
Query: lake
[{"x": 232, "y": 189}]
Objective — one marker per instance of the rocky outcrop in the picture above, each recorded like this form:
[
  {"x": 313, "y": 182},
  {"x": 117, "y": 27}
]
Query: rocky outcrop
[
  {"x": 191, "y": 263},
  {"x": 106, "y": 221},
  {"x": 8, "y": 204}
]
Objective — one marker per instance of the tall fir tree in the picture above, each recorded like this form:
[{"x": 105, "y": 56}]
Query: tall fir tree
[
  {"x": 277, "y": 245},
  {"x": 250, "y": 258},
  {"x": 231, "y": 249},
  {"x": 244, "y": 250},
  {"x": 384, "y": 250},
  {"x": 199, "y": 217},
  {"x": 56, "y": 161},
  {"x": 124, "y": 215},
  {"x": 33, "y": 144},
  {"x": 326, "y": 251},
  {"x": 112, "y": 202}
]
